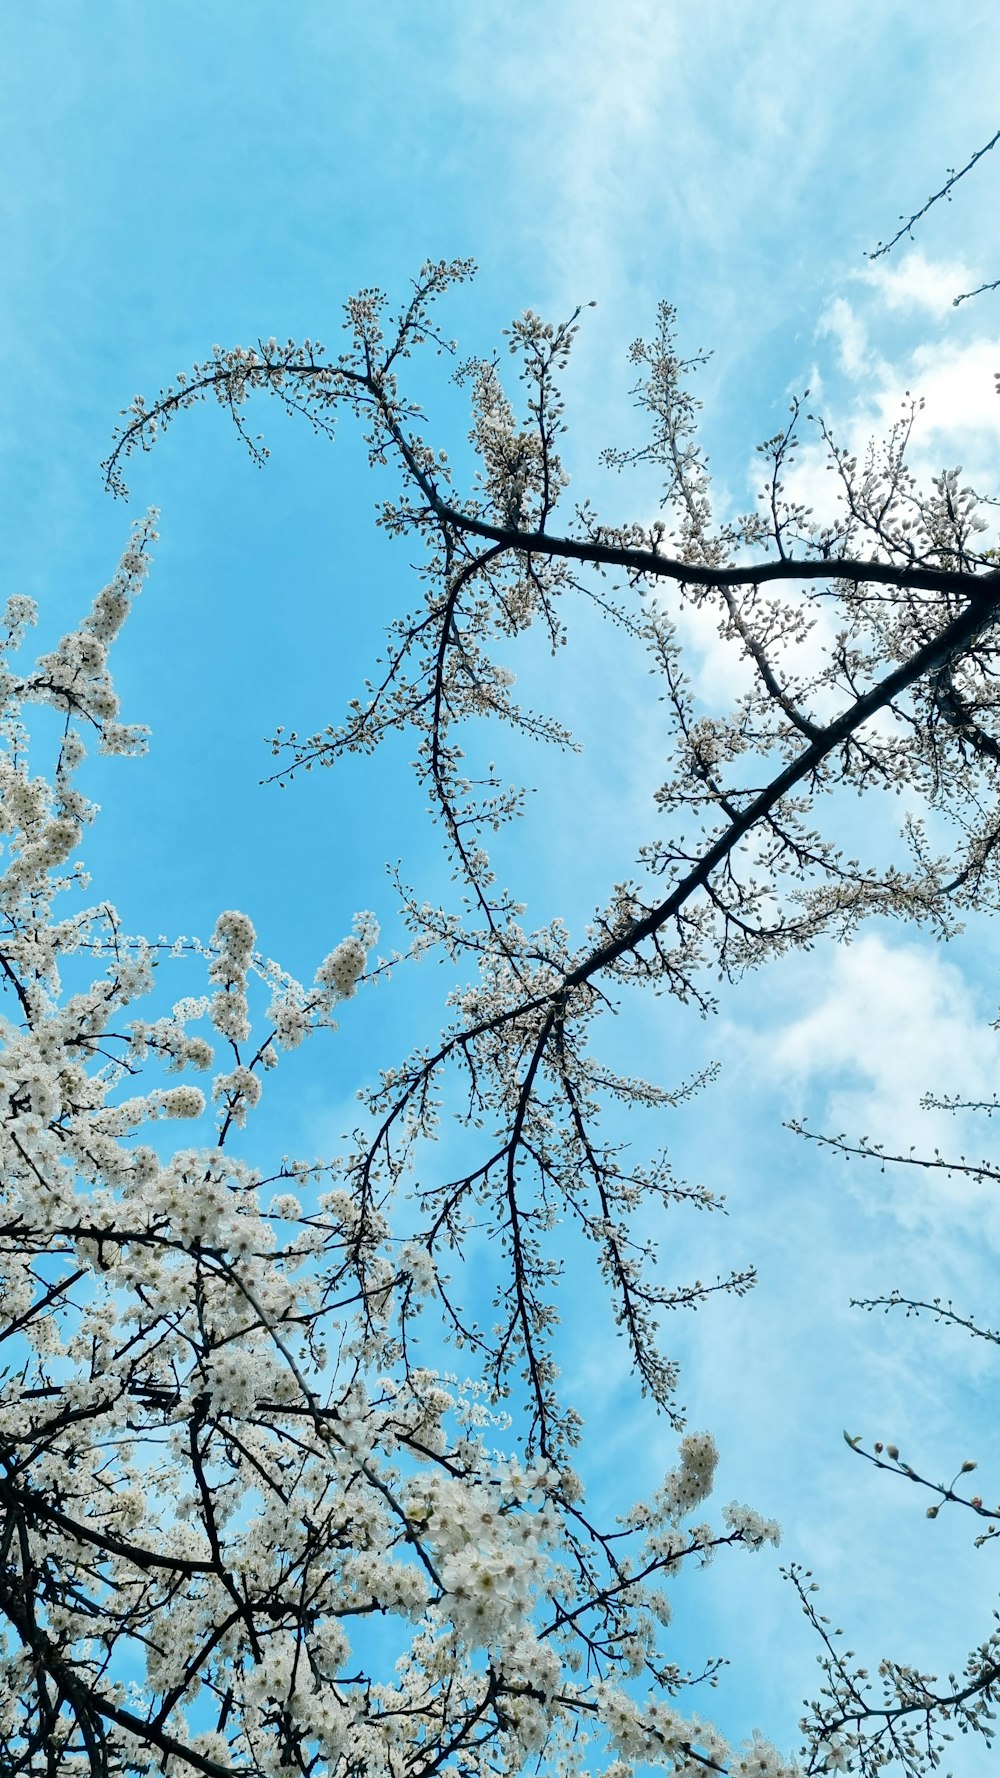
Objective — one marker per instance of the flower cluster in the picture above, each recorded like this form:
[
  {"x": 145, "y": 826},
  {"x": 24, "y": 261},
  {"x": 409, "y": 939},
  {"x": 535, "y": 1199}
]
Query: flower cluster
[
  {"x": 215, "y": 1404},
  {"x": 342, "y": 969},
  {"x": 233, "y": 944},
  {"x": 898, "y": 694}
]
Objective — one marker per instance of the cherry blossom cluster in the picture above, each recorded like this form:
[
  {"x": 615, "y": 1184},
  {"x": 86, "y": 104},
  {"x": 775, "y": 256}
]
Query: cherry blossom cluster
[
  {"x": 865, "y": 642},
  {"x": 217, "y": 1456}
]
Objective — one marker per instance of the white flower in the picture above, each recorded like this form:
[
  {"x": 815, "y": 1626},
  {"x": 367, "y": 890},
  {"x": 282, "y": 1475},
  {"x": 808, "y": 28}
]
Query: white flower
[
  {"x": 286, "y": 1206},
  {"x": 184, "y": 1102},
  {"x": 341, "y": 969},
  {"x": 416, "y": 1263},
  {"x": 754, "y": 1529}
]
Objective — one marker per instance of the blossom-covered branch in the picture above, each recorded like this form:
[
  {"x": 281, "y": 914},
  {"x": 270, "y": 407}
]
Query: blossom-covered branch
[
  {"x": 866, "y": 644},
  {"x": 242, "y": 1530},
  {"x": 893, "y": 598}
]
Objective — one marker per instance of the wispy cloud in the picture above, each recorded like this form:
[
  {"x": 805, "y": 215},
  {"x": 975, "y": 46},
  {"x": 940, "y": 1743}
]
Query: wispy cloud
[
  {"x": 846, "y": 327},
  {"x": 914, "y": 282},
  {"x": 888, "y": 1024}
]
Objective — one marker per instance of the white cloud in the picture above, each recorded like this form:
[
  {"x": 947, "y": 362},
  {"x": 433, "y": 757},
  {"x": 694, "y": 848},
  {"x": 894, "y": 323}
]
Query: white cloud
[
  {"x": 953, "y": 380},
  {"x": 892, "y": 1023},
  {"x": 846, "y": 327},
  {"x": 718, "y": 671},
  {"x": 958, "y": 386},
  {"x": 915, "y": 282}
]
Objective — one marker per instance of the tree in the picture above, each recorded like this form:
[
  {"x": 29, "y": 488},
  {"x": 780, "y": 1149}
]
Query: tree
[
  {"x": 218, "y": 1451},
  {"x": 236, "y": 1357}
]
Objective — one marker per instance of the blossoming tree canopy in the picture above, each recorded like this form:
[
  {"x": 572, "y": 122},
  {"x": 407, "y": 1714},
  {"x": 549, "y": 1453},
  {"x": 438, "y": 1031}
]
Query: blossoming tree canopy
[
  {"x": 866, "y": 643},
  {"x": 218, "y": 1466},
  {"x": 244, "y": 1530}
]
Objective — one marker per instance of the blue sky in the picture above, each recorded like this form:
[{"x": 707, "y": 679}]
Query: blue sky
[{"x": 180, "y": 175}]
